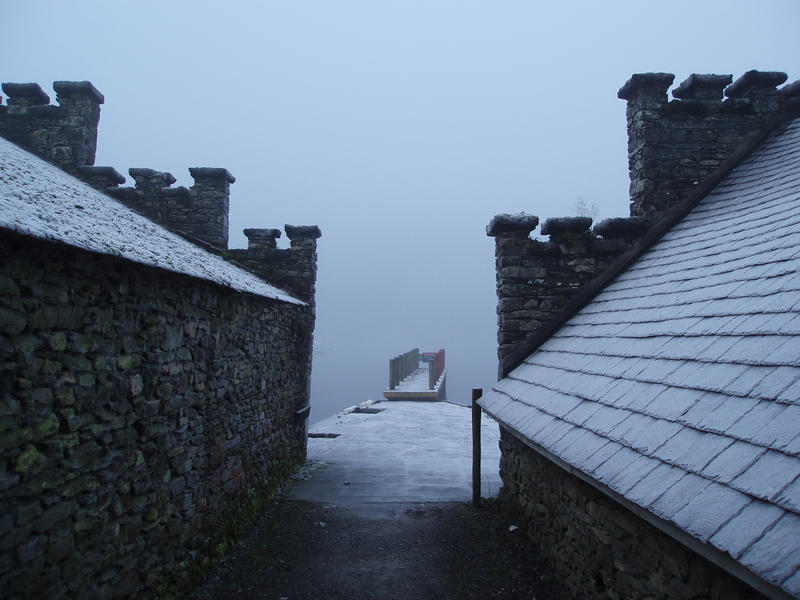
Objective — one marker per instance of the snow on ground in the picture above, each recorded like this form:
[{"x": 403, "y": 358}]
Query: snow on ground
[{"x": 407, "y": 452}]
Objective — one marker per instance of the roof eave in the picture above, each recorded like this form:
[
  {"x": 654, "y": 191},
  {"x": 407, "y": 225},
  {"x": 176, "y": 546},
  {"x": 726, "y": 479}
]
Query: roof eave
[{"x": 721, "y": 559}]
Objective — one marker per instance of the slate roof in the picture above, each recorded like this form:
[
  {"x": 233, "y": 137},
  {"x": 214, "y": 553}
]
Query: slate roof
[
  {"x": 678, "y": 386},
  {"x": 41, "y": 200}
]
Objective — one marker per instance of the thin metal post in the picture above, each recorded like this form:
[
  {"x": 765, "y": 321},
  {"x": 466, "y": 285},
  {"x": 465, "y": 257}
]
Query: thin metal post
[{"x": 476, "y": 447}]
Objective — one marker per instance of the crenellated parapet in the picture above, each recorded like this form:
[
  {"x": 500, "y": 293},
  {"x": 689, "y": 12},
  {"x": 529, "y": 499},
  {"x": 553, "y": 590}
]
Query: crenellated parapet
[
  {"x": 199, "y": 213},
  {"x": 66, "y": 134},
  {"x": 537, "y": 279},
  {"x": 293, "y": 269},
  {"x": 673, "y": 145}
]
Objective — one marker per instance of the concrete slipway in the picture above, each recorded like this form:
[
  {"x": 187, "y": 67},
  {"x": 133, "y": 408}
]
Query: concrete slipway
[{"x": 397, "y": 452}]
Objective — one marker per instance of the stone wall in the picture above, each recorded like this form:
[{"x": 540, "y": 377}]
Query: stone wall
[
  {"x": 137, "y": 406},
  {"x": 598, "y": 548},
  {"x": 293, "y": 269},
  {"x": 536, "y": 279},
  {"x": 65, "y": 135},
  {"x": 673, "y": 145},
  {"x": 199, "y": 213}
]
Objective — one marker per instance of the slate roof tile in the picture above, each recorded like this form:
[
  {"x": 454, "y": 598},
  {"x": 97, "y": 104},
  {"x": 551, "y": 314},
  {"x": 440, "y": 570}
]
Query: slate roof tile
[
  {"x": 790, "y": 496},
  {"x": 573, "y": 436},
  {"x": 749, "y": 525},
  {"x": 776, "y": 382},
  {"x": 651, "y": 435},
  {"x": 654, "y": 484},
  {"x": 752, "y": 377},
  {"x": 550, "y": 436},
  {"x": 787, "y": 353},
  {"x": 606, "y": 418},
  {"x": 709, "y": 510},
  {"x": 679, "y": 495},
  {"x": 673, "y": 403},
  {"x": 582, "y": 411},
  {"x": 728, "y": 412},
  {"x": 600, "y": 456},
  {"x": 701, "y": 450},
  {"x": 639, "y": 468},
  {"x": 762, "y": 414},
  {"x": 793, "y": 447},
  {"x": 643, "y": 394},
  {"x": 792, "y": 584},
  {"x": 733, "y": 461},
  {"x": 768, "y": 475},
  {"x": 783, "y": 431},
  {"x": 774, "y": 556},
  {"x": 615, "y": 465},
  {"x": 584, "y": 447}
]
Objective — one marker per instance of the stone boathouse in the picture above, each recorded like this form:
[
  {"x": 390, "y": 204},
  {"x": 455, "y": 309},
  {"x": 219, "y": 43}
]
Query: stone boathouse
[
  {"x": 150, "y": 387},
  {"x": 649, "y": 392}
]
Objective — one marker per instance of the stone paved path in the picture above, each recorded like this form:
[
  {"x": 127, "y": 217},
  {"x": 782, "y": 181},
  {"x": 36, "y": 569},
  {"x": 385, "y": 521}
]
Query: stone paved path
[{"x": 381, "y": 512}]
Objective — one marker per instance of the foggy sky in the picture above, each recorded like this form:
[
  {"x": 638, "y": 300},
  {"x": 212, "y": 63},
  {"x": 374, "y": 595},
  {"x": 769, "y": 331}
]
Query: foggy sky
[{"x": 400, "y": 128}]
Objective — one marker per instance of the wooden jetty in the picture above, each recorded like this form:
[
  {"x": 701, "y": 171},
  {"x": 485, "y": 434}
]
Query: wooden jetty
[{"x": 417, "y": 376}]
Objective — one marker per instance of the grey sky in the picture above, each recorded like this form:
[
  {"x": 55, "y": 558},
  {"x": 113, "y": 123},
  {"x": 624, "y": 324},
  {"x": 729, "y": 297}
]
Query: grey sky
[{"x": 400, "y": 128}]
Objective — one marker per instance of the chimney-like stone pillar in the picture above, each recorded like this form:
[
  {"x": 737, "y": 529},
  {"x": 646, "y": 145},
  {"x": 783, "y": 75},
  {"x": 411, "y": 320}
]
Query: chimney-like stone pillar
[
  {"x": 65, "y": 135},
  {"x": 673, "y": 145},
  {"x": 76, "y": 143},
  {"x": 210, "y": 205},
  {"x": 302, "y": 272}
]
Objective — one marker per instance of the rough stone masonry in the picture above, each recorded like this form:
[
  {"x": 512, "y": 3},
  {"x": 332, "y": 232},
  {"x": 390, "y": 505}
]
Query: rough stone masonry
[{"x": 140, "y": 408}]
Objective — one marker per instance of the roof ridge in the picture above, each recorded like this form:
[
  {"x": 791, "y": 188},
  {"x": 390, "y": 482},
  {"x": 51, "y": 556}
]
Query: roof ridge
[{"x": 751, "y": 142}]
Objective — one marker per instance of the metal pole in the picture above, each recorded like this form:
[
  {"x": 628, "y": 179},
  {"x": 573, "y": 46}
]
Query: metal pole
[{"x": 476, "y": 447}]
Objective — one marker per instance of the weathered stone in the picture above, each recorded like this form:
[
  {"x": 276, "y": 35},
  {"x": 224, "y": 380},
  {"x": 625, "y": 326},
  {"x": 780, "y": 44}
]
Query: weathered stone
[
  {"x": 109, "y": 361},
  {"x": 621, "y": 228},
  {"x": 705, "y": 87},
  {"x": 47, "y": 427},
  {"x": 30, "y": 461},
  {"x": 12, "y": 321},
  {"x": 565, "y": 225},
  {"x": 755, "y": 80},
  {"x": 520, "y": 223}
]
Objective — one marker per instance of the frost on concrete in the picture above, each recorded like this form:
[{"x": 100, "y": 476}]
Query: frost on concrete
[{"x": 40, "y": 200}]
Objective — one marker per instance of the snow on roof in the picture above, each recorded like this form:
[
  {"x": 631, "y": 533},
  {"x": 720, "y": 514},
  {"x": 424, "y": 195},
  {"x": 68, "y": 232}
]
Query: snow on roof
[
  {"x": 41, "y": 200},
  {"x": 678, "y": 387}
]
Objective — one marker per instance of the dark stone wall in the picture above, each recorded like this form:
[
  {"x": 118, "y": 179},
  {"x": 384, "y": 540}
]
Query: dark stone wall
[
  {"x": 598, "y": 548},
  {"x": 65, "y": 135},
  {"x": 199, "y": 213},
  {"x": 137, "y": 406},
  {"x": 293, "y": 269},
  {"x": 673, "y": 145},
  {"x": 536, "y": 279}
]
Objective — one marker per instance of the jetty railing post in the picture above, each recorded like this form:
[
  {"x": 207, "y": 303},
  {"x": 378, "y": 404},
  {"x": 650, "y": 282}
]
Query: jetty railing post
[{"x": 476, "y": 447}]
